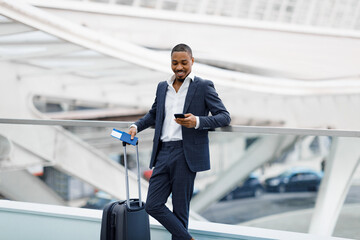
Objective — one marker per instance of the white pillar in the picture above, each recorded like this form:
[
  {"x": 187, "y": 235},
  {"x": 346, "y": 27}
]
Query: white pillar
[
  {"x": 159, "y": 4},
  {"x": 203, "y": 6},
  {"x": 180, "y": 5},
  {"x": 136, "y": 3},
  {"x": 252, "y": 9},
  {"x": 268, "y": 10},
  {"x": 282, "y": 11},
  {"x": 311, "y": 12},
  {"x": 334, "y": 12},
  {"x": 356, "y": 16},
  {"x": 218, "y": 8},
  {"x": 339, "y": 170}
]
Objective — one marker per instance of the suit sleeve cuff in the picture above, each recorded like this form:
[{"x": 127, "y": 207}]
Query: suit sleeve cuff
[
  {"x": 134, "y": 125},
  {"x": 197, "y": 122}
]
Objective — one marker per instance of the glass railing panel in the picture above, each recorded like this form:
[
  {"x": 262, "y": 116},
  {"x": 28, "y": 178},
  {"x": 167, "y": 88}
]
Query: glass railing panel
[
  {"x": 260, "y": 177},
  {"x": 282, "y": 192},
  {"x": 283, "y": 174},
  {"x": 72, "y": 161}
]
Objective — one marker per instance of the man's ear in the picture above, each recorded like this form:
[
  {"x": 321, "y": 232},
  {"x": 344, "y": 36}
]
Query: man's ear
[{"x": 192, "y": 60}]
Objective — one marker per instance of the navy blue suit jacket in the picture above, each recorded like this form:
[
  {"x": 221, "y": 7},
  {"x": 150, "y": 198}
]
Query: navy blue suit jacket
[{"x": 200, "y": 100}]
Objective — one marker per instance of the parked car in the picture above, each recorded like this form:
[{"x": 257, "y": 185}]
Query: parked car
[
  {"x": 294, "y": 180},
  {"x": 99, "y": 200},
  {"x": 251, "y": 187}
]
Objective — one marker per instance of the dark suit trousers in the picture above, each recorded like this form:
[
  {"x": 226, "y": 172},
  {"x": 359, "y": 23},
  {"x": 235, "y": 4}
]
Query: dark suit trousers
[{"x": 171, "y": 175}]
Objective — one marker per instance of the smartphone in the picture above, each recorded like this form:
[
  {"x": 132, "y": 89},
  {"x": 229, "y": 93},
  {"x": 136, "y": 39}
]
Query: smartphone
[{"x": 179, "y": 115}]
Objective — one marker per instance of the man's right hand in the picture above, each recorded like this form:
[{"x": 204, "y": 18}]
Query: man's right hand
[{"x": 132, "y": 132}]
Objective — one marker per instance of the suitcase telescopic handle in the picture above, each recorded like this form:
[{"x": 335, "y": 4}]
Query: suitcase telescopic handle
[{"x": 127, "y": 174}]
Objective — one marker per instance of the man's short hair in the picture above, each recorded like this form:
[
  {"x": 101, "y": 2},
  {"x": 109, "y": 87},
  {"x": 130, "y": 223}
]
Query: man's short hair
[{"x": 182, "y": 48}]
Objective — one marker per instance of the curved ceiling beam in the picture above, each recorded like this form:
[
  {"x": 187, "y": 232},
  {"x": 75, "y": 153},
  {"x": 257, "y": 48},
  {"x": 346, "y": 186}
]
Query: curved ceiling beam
[{"x": 36, "y": 18}]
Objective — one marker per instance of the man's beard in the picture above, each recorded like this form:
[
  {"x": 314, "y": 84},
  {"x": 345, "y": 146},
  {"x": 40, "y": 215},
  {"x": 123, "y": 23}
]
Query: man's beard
[{"x": 183, "y": 75}]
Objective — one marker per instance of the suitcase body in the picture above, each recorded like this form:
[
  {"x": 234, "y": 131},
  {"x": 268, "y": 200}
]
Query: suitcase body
[{"x": 126, "y": 220}]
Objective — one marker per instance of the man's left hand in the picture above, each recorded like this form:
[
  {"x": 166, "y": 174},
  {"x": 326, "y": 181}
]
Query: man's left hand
[{"x": 189, "y": 121}]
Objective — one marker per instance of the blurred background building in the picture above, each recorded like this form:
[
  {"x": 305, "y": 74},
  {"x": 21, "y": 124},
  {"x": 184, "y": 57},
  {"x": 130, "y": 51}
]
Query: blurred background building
[{"x": 289, "y": 64}]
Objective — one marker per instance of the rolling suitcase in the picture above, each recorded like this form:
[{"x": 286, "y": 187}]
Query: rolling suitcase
[{"x": 126, "y": 220}]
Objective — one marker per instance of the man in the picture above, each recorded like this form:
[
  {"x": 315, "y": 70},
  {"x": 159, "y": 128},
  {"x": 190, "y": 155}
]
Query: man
[{"x": 181, "y": 145}]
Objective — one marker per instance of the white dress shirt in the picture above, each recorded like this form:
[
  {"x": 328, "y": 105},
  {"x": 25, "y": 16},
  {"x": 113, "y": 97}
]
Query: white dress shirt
[{"x": 174, "y": 103}]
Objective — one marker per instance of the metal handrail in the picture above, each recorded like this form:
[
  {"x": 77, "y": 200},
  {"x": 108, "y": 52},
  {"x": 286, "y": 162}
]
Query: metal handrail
[{"x": 231, "y": 128}]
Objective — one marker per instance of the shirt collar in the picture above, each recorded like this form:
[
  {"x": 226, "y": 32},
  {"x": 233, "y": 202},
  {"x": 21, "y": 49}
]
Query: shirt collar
[{"x": 191, "y": 77}]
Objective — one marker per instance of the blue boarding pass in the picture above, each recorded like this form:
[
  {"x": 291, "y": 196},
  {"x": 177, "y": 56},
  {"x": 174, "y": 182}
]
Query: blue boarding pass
[{"x": 123, "y": 136}]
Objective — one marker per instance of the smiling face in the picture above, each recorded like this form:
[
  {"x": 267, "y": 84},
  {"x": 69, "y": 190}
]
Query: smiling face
[{"x": 181, "y": 63}]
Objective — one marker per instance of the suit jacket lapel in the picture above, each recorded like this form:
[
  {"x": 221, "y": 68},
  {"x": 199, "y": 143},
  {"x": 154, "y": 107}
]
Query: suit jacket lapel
[
  {"x": 190, "y": 94},
  {"x": 161, "y": 100}
]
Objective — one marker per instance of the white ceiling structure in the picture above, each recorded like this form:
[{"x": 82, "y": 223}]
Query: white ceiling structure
[
  {"x": 87, "y": 66},
  {"x": 275, "y": 45}
]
